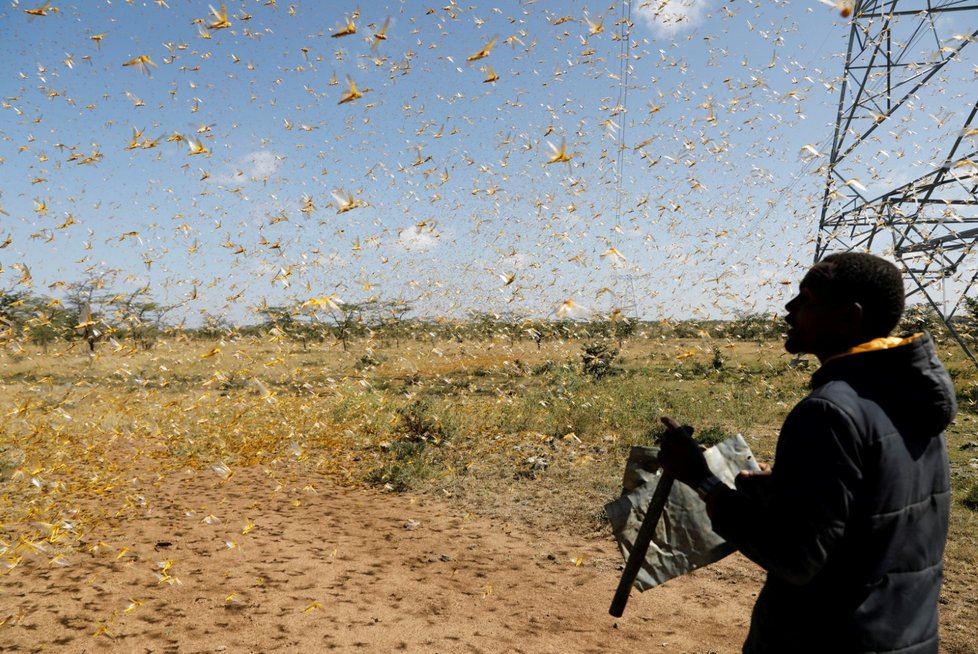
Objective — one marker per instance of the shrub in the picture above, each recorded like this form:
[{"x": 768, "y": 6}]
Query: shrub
[
  {"x": 598, "y": 361},
  {"x": 718, "y": 360},
  {"x": 409, "y": 459},
  {"x": 366, "y": 362},
  {"x": 417, "y": 423},
  {"x": 408, "y": 465},
  {"x": 755, "y": 327},
  {"x": 970, "y": 500},
  {"x": 707, "y": 437},
  {"x": 10, "y": 459},
  {"x": 711, "y": 436},
  {"x": 545, "y": 367},
  {"x": 920, "y": 317}
]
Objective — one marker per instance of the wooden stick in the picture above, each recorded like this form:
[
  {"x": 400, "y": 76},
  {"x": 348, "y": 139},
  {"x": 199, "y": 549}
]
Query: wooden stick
[{"x": 641, "y": 545}]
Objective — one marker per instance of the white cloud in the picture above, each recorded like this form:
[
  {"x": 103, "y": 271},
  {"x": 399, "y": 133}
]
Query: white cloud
[
  {"x": 253, "y": 167},
  {"x": 668, "y": 17},
  {"x": 263, "y": 164},
  {"x": 414, "y": 239},
  {"x": 516, "y": 261}
]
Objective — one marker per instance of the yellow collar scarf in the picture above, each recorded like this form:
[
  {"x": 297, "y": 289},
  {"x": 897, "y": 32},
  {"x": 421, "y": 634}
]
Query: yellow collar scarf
[{"x": 882, "y": 343}]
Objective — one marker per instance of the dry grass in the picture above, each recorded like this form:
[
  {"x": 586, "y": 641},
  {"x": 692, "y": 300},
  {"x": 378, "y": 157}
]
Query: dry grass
[{"x": 509, "y": 430}]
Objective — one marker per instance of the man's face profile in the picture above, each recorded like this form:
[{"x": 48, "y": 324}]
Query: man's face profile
[{"x": 816, "y": 325}]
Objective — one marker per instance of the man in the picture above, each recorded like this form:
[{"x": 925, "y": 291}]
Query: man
[{"x": 851, "y": 521}]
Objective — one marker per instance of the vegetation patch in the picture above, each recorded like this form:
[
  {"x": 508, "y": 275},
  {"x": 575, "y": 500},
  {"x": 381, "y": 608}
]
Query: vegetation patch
[
  {"x": 970, "y": 499},
  {"x": 506, "y": 426},
  {"x": 598, "y": 360}
]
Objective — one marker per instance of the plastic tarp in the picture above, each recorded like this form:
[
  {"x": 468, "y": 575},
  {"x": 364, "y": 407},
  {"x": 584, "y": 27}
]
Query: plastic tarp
[{"x": 683, "y": 538}]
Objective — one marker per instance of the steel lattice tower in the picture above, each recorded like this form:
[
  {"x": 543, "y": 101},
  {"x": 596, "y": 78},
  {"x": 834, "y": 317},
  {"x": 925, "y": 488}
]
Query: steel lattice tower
[{"x": 907, "y": 87}]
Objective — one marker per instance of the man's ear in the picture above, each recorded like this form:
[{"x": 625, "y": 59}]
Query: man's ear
[{"x": 854, "y": 319}]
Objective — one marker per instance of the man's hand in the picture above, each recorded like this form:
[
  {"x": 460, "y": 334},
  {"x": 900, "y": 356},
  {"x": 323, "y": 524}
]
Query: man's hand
[
  {"x": 755, "y": 484},
  {"x": 765, "y": 471},
  {"x": 680, "y": 456}
]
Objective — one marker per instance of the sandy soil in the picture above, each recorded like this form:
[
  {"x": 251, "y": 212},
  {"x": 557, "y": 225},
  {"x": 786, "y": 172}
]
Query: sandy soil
[{"x": 326, "y": 568}]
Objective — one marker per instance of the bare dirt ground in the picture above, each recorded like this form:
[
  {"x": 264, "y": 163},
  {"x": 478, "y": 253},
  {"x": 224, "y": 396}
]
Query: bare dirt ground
[
  {"x": 327, "y": 568},
  {"x": 110, "y": 542}
]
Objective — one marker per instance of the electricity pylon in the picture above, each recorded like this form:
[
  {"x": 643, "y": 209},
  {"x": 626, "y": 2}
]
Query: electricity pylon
[{"x": 902, "y": 175}]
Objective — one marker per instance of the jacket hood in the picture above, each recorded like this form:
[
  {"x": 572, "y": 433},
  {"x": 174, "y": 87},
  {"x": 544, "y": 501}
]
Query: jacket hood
[{"x": 907, "y": 380}]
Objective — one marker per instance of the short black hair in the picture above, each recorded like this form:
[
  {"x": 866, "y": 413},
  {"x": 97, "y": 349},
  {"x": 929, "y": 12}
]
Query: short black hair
[{"x": 875, "y": 283}]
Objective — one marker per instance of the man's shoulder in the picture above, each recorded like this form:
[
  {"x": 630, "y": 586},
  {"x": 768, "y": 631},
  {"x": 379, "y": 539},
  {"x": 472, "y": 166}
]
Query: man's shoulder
[
  {"x": 831, "y": 401},
  {"x": 842, "y": 406},
  {"x": 836, "y": 392}
]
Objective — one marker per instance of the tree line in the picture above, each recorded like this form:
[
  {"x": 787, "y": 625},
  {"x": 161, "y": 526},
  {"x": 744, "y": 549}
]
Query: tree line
[{"x": 90, "y": 313}]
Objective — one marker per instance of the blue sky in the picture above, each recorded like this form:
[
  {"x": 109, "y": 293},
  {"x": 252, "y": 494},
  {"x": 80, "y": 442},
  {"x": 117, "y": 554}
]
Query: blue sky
[{"x": 715, "y": 208}]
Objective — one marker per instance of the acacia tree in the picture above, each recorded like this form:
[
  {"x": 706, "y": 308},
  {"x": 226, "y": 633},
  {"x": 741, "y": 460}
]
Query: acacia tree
[
  {"x": 920, "y": 317},
  {"x": 48, "y": 321},
  {"x": 281, "y": 318},
  {"x": 213, "y": 326},
  {"x": 390, "y": 317},
  {"x": 488, "y": 324},
  {"x": 142, "y": 317},
  {"x": 14, "y": 313},
  {"x": 755, "y": 327},
  {"x": 535, "y": 335},
  {"x": 347, "y": 317},
  {"x": 968, "y": 323},
  {"x": 289, "y": 321},
  {"x": 624, "y": 328},
  {"x": 85, "y": 302}
]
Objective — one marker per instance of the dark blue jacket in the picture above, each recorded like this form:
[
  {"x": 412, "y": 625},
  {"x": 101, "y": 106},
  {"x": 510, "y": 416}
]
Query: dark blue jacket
[{"x": 852, "y": 522}]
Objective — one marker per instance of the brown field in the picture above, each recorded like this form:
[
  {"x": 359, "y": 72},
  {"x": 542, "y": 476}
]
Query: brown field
[{"x": 255, "y": 495}]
